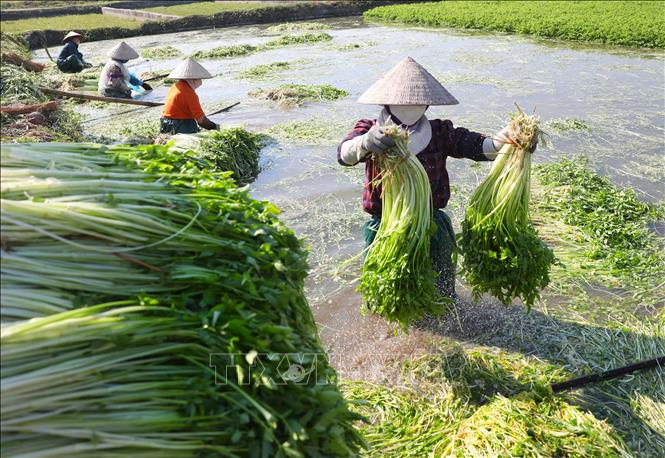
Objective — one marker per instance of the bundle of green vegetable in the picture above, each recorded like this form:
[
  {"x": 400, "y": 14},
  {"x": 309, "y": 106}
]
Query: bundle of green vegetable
[
  {"x": 503, "y": 255},
  {"x": 235, "y": 150},
  {"x": 397, "y": 280},
  {"x": 139, "y": 269}
]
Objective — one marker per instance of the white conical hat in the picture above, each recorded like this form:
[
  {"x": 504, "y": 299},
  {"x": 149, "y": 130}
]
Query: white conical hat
[
  {"x": 72, "y": 34},
  {"x": 407, "y": 83},
  {"x": 189, "y": 69},
  {"x": 122, "y": 51}
]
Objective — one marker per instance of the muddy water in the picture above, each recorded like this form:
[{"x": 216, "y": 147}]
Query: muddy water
[{"x": 617, "y": 93}]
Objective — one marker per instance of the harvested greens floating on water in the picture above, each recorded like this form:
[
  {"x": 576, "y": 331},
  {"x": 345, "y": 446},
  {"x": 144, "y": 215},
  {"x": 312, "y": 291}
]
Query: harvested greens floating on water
[
  {"x": 397, "y": 280},
  {"x": 139, "y": 269},
  {"x": 235, "y": 150},
  {"x": 503, "y": 255}
]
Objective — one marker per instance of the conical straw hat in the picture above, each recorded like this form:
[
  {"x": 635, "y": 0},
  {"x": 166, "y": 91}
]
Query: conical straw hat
[
  {"x": 407, "y": 83},
  {"x": 189, "y": 69},
  {"x": 122, "y": 51},
  {"x": 72, "y": 35}
]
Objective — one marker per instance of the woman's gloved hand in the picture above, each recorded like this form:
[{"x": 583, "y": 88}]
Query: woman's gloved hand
[
  {"x": 504, "y": 137},
  {"x": 375, "y": 141},
  {"x": 146, "y": 86}
]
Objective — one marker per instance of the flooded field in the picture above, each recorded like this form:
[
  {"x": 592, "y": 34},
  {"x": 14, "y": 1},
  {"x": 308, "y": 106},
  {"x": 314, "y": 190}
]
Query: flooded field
[{"x": 604, "y": 103}]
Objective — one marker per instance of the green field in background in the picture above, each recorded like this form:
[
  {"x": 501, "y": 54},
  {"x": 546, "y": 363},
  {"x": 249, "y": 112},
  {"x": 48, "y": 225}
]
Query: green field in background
[{"x": 627, "y": 23}]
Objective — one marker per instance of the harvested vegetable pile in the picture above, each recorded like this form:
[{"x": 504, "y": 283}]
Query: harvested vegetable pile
[
  {"x": 19, "y": 86},
  {"x": 503, "y": 255},
  {"x": 295, "y": 95},
  {"x": 140, "y": 269},
  {"x": 236, "y": 150},
  {"x": 160, "y": 52},
  {"x": 297, "y": 27},
  {"x": 264, "y": 71},
  {"x": 397, "y": 280},
  {"x": 222, "y": 52},
  {"x": 479, "y": 402},
  {"x": 304, "y": 38}
]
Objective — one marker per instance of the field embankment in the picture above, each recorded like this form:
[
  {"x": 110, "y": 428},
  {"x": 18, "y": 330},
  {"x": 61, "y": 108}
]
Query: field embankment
[{"x": 39, "y": 34}]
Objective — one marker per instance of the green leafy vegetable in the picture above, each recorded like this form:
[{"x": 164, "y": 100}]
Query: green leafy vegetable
[
  {"x": 235, "y": 150},
  {"x": 503, "y": 255},
  {"x": 397, "y": 280}
]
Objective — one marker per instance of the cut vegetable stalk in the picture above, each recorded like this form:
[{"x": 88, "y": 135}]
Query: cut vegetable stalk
[
  {"x": 397, "y": 281},
  {"x": 503, "y": 255}
]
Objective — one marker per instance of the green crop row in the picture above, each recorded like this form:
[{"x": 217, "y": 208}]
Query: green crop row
[{"x": 627, "y": 23}]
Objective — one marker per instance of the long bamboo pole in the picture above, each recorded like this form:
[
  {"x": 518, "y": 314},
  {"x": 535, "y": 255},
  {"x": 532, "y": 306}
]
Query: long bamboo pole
[{"x": 80, "y": 95}]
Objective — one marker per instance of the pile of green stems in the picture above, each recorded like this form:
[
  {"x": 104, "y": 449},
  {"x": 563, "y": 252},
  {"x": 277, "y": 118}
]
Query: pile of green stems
[
  {"x": 117, "y": 287},
  {"x": 236, "y": 150}
]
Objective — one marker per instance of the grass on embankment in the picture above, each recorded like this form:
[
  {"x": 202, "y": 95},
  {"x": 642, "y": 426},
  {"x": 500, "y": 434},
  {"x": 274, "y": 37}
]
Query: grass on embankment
[
  {"x": 627, "y": 23},
  {"x": 29, "y": 4},
  {"x": 208, "y": 8},
  {"x": 77, "y": 21}
]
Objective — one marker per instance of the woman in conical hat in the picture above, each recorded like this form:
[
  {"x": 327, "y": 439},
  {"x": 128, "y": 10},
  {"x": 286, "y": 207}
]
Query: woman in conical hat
[
  {"x": 115, "y": 78},
  {"x": 405, "y": 93},
  {"x": 70, "y": 59},
  {"x": 182, "y": 111}
]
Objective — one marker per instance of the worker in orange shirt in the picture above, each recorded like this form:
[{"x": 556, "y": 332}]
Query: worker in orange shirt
[{"x": 182, "y": 111}]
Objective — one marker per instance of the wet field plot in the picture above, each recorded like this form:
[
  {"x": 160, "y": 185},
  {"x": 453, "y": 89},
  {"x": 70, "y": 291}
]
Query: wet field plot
[{"x": 475, "y": 381}]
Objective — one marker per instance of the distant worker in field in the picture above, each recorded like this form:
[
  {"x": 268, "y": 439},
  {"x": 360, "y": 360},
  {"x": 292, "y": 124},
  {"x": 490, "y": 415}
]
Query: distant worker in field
[
  {"x": 405, "y": 93},
  {"x": 115, "y": 79},
  {"x": 182, "y": 110},
  {"x": 70, "y": 59}
]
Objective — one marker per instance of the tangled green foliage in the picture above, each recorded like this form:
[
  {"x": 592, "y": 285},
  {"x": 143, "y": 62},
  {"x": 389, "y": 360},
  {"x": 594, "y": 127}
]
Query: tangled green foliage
[
  {"x": 627, "y": 23},
  {"x": 614, "y": 221},
  {"x": 503, "y": 254},
  {"x": 567, "y": 124},
  {"x": 264, "y": 71},
  {"x": 236, "y": 150},
  {"x": 312, "y": 131},
  {"x": 17, "y": 85},
  {"x": 245, "y": 49},
  {"x": 225, "y": 51},
  {"x": 161, "y": 52},
  {"x": 20, "y": 86},
  {"x": 478, "y": 403},
  {"x": 185, "y": 267},
  {"x": 144, "y": 128},
  {"x": 288, "y": 40},
  {"x": 289, "y": 95},
  {"x": 297, "y": 27}
]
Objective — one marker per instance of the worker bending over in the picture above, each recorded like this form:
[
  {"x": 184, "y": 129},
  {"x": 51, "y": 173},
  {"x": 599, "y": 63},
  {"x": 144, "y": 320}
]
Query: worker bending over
[
  {"x": 115, "y": 79},
  {"x": 182, "y": 111}
]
